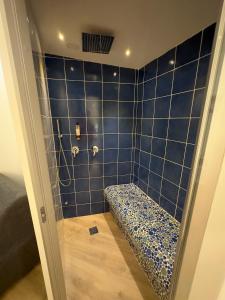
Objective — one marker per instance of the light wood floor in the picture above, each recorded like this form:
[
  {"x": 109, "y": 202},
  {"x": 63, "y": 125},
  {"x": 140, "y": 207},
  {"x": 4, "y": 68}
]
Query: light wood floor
[
  {"x": 31, "y": 287},
  {"x": 101, "y": 266}
]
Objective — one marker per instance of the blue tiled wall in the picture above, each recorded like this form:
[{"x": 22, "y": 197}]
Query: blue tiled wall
[
  {"x": 170, "y": 94},
  {"x": 101, "y": 98}
]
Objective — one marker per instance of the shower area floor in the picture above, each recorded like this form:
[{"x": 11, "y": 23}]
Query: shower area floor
[{"x": 101, "y": 266}]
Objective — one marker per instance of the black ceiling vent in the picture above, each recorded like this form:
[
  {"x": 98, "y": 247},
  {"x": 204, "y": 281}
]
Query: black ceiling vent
[{"x": 96, "y": 43}]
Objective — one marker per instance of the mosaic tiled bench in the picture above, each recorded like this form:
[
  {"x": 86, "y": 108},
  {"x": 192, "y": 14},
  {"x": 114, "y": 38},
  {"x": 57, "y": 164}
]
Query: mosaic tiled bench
[{"x": 150, "y": 230}]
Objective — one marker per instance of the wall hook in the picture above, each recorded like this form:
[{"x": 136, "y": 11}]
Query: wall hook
[{"x": 75, "y": 150}]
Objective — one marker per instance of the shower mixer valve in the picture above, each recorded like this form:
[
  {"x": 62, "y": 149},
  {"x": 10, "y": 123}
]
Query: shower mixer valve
[
  {"x": 95, "y": 150},
  {"x": 75, "y": 150}
]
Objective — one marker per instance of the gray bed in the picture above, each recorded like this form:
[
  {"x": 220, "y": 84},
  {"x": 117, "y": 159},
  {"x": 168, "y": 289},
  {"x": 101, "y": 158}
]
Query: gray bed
[{"x": 18, "y": 248}]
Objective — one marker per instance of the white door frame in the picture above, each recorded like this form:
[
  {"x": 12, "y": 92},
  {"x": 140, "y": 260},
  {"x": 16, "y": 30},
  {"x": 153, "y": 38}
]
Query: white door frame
[
  {"x": 16, "y": 57},
  {"x": 205, "y": 173}
]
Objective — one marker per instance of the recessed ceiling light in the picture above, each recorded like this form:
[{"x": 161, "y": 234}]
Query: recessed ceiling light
[
  {"x": 171, "y": 62},
  {"x": 127, "y": 52},
  {"x": 114, "y": 74},
  {"x": 61, "y": 36}
]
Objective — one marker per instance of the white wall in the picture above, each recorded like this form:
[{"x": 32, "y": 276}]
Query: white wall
[{"x": 10, "y": 164}]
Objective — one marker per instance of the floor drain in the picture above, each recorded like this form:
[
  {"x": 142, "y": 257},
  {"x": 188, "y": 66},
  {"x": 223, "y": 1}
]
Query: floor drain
[{"x": 93, "y": 230}]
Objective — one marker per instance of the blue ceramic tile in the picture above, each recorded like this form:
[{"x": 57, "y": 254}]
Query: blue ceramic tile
[
  {"x": 69, "y": 212},
  {"x": 124, "y": 155},
  {"x": 150, "y": 70},
  {"x": 140, "y": 92},
  {"x": 65, "y": 159},
  {"x": 110, "y": 73},
  {"x": 143, "y": 186},
  {"x": 93, "y": 90},
  {"x": 170, "y": 191},
  {"x": 143, "y": 174},
  {"x": 124, "y": 168},
  {"x": 111, "y": 141},
  {"x": 97, "y": 159},
  {"x": 144, "y": 159},
  {"x": 97, "y": 196},
  {"x": 126, "y": 109},
  {"x": 124, "y": 179},
  {"x": 125, "y": 125},
  {"x": 184, "y": 78},
  {"x": 158, "y": 147},
  {"x": 83, "y": 198},
  {"x": 146, "y": 143},
  {"x": 147, "y": 126},
  {"x": 185, "y": 178},
  {"x": 160, "y": 128},
  {"x": 207, "y": 42},
  {"x": 156, "y": 165},
  {"x": 63, "y": 173},
  {"x": 59, "y": 108},
  {"x": 110, "y": 155},
  {"x": 57, "y": 89},
  {"x": 175, "y": 152},
  {"x": 66, "y": 144},
  {"x": 97, "y": 208},
  {"x": 178, "y": 215},
  {"x": 111, "y": 125},
  {"x": 96, "y": 170},
  {"x": 110, "y": 109},
  {"x": 166, "y": 62},
  {"x": 139, "y": 110},
  {"x": 149, "y": 89},
  {"x": 82, "y": 143},
  {"x": 68, "y": 199},
  {"x": 154, "y": 181},
  {"x": 74, "y": 69},
  {"x": 75, "y": 89},
  {"x": 82, "y": 185},
  {"x": 127, "y": 75},
  {"x": 126, "y": 92},
  {"x": 92, "y": 71},
  {"x": 76, "y": 108},
  {"x": 193, "y": 130},
  {"x": 167, "y": 205},
  {"x": 153, "y": 194},
  {"x": 63, "y": 124},
  {"x": 112, "y": 180},
  {"x": 188, "y": 50},
  {"x": 202, "y": 72},
  {"x": 81, "y": 158},
  {"x": 148, "y": 109},
  {"x": 96, "y": 183},
  {"x": 178, "y": 129},
  {"x": 189, "y": 155},
  {"x": 54, "y": 68},
  {"x": 181, "y": 198},
  {"x": 83, "y": 210},
  {"x": 164, "y": 84},
  {"x": 81, "y": 171},
  {"x": 94, "y": 125},
  {"x": 110, "y": 169},
  {"x": 141, "y": 75},
  {"x": 94, "y": 108},
  {"x": 95, "y": 140},
  {"x": 110, "y": 91},
  {"x": 172, "y": 172},
  {"x": 162, "y": 106},
  {"x": 125, "y": 140},
  {"x": 181, "y": 105},
  {"x": 68, "y": 189},
  {"x": 198, "y": 102}
]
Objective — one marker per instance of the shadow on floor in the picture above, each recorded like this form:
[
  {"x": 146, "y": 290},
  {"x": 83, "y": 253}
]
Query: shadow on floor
[{"x": 131, "y": 261}]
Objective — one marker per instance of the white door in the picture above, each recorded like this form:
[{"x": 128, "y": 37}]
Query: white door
[{"x": 17, "y": 63}]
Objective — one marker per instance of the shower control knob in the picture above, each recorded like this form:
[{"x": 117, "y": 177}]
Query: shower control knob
[
  {"x": 75, "y": 150},
  {"x": 95, "y": 150}
]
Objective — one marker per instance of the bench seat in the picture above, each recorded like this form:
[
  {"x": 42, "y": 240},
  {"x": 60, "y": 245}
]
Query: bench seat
[{"x": 150, "y": 230}]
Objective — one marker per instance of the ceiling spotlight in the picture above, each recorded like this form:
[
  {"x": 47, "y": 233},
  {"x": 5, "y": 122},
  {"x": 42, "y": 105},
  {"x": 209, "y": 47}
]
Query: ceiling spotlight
[
  {"x": 114, "y": 74},
  {"x": 171, "y": 62},
  {"x": 127, "y": 52},
  {"x": 61, "y": 36}
]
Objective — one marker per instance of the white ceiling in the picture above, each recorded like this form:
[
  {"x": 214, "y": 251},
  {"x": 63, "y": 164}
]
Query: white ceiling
[{"x": 148, "y": 27}]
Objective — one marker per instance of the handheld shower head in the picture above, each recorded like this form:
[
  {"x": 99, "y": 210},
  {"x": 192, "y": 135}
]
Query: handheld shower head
[{"x": 58, "y": 129}]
